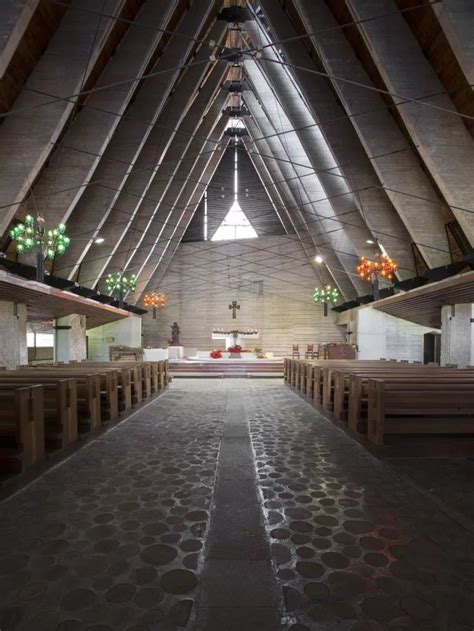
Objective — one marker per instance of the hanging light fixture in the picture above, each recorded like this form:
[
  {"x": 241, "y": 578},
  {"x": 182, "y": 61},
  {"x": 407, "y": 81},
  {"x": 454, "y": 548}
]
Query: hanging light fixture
[
  {"x": 325, "y": 295},
  {"x": 32, "y": 235},
  {"x": 371, "y": 271},
  {"x": 121, "y": 283},
  {"x": 157, "y": 301}
]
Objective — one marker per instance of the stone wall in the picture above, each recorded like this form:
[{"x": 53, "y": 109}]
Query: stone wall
[{"x": 269, "y": 277}]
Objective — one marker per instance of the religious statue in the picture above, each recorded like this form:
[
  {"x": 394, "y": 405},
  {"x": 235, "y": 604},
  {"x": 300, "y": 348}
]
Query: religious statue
[{"x": 175, "y": 334}]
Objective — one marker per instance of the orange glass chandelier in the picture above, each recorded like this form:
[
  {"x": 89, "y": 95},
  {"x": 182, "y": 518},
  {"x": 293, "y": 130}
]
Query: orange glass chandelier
[
  {"x": 371, "y": 271},
  {"x": 154, "y": 300}
]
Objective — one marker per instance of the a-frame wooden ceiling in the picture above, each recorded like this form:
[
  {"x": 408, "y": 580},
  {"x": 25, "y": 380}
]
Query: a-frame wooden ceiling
[{"x": 358, "y": 119}]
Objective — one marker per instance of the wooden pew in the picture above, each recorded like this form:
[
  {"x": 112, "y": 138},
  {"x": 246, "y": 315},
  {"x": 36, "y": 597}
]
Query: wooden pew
[
  {"x": 123, "y": 377},
  {"x": 139, "y": 384},
  {"x": 357, "y": 397},
  {"x": 328, "y": 371},
  {"x": 414, "y": 408},
  {"x": 147, "y": 378},
  {"x": 309, "y": 374},
  {"x": 21, "y": 428},
  {"x": 60, "y": 406},
  {"x": 162, "y": 375},
  {"x": 108, "y": 380},
  {"x": 88, "y": 393}
]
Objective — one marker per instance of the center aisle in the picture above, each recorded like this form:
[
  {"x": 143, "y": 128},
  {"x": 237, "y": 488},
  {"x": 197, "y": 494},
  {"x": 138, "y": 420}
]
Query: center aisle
[
  {"x": 238, "y": 587},
  {"x": 230, "y": 504}
]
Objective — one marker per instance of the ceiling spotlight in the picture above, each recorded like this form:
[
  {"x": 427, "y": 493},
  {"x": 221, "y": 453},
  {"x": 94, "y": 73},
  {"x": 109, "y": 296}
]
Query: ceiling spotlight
[
  {"x": 318, "y": 259},
  {"x": 370, "y": 242},
  {"x": 99, "y": 240}
]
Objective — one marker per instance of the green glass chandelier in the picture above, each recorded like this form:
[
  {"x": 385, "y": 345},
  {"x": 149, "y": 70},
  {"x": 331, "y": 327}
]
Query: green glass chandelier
[
  {"x": 121, "y": 283},
  {"x": 32, "y": 235},
  {"x": 325, "y": 295}
]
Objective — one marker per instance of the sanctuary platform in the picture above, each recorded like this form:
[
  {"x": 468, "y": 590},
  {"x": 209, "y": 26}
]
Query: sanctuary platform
[{"x": 224, "y": 368}]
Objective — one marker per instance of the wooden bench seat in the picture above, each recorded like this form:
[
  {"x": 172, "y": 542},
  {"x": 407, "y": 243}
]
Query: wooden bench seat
[
  {"x": 156, "y": 372},
  {"x": 21, "y": 428},
  {"x": 416, "y": 408},
  {"x": 329, "y": 375},
  {"x": 107, "y": 385},
  {"x": 88, "y": 393},
  {"x": 309, "y": 375},
  {"x": 60, "y": 406},
  {"x": 124, "y": 379},
  {"x": 350, "y": 402},
  {"x": 154, "y": 376}
]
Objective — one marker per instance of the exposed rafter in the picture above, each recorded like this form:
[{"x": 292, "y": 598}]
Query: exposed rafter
[{"x": 123, "y": 120}]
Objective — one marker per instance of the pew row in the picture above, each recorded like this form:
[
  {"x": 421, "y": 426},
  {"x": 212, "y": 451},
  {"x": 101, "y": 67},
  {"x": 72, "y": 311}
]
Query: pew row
[
  {"x": 88, "y": 390},
  {"x": 21, "y": 427},
  {"x": 414, "y": 408},
  {"x": 76, "y": 399},
  {"x": 59, "y": 405},
  {"x": 340, "y": 388}
]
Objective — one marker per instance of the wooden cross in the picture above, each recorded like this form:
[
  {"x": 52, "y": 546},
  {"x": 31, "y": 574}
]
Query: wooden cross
[{"x": 234, "y": 306}]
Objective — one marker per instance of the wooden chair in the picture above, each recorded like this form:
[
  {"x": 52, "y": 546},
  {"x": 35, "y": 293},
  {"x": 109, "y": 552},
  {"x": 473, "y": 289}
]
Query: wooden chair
[
  {"x": 309, "y": 353},
  {"x": 296, "y": 351}
]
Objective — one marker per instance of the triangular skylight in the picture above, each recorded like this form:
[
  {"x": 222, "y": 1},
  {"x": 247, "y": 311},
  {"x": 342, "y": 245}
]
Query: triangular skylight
[{"x": 235, "y": 225}]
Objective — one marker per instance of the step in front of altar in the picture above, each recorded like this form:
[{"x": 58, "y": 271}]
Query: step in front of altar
[{"x": 227, "y": 368}]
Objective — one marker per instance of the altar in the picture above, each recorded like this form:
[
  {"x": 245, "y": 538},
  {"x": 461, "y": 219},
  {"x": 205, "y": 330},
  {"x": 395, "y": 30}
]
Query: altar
[
  {"x": 234, "y": 337},
  {"x": 157, "y": 354}
]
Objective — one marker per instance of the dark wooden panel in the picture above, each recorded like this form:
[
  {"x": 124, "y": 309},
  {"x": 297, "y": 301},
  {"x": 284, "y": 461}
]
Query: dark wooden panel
[
  {"x": 47, "y": 303},
  {"x": 423, "y": 305}
]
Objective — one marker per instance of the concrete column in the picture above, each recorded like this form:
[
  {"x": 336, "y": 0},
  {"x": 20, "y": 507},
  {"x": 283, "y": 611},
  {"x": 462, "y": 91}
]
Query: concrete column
[
  {"x": 185, "y": 208},
  {"x": 339, "y": 133},
  {"x": 315, "y": 212},
  {"x": 457, "y": 335},
  {"x": 294, "y": 221},
  {"x": 438, "y": 132},
  {"x": 13, "y": 347},
  {"x": 73, "y": 165},
  {"x": 70, "y": 341},
  {"x": 390, "y": 153},
  {"x": 126, "y": 332},
  {"x": 457, "y": 19},
  {"x": 178, "y": 161},
  {"x": 118, "y": 162},
  {"x": 320, "y": 157},
  {"x": 15, "y": 16},
  {"x": 29, "y": 133}
]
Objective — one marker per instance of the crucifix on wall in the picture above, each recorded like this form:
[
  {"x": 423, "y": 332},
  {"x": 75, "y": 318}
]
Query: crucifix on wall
[{"x": 234, "y": 306}]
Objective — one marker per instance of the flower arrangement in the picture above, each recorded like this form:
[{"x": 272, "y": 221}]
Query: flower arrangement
[
  {"x": 215, "y": 355},
  {"x": 235, "y": 349}
]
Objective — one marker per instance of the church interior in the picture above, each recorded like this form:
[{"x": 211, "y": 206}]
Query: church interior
[{"x": 237, "y": 286}]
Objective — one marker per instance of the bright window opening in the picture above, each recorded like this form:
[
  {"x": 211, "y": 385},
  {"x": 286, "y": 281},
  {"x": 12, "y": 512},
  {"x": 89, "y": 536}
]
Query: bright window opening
[
  {"x": 235, "y": 123},
  {"x": 235, "y": 226}
]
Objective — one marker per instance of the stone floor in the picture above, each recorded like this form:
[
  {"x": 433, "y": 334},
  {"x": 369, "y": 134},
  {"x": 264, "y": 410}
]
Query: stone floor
[
  {"x": 230, "y": 505},
  {"x": 448, "y": 480}
]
